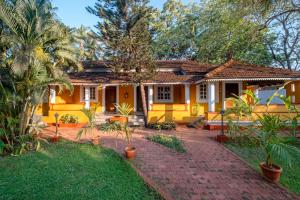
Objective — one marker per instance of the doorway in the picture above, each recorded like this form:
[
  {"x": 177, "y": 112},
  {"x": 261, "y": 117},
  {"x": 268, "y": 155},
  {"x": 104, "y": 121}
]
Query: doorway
[
  {"x": 110, "y": 99},
  {"x": 231, "y": 89}
]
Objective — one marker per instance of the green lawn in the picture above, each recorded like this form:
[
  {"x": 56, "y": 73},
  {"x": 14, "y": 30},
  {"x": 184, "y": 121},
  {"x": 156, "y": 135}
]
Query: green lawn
[
  {"x": 71, "y": 171},
  {"x": 171, "y": 142},
  {"x": 253, "y": 155}
]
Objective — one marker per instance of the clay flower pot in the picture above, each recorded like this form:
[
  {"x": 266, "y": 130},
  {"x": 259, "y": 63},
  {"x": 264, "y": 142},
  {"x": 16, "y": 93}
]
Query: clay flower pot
[
  {"x": 96, "y": 140},
  {"x": 130, "y": 152},
  {"x": 222, "y": 138},
  {"x": 55, "y": 139},
  {"x": 271, "y": 174},
  {"x": 119, "y": 119}
]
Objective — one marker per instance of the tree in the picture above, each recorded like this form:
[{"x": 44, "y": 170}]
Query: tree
[
  {"x": 285, "y": 44},
  {"x": 123, "y": 31},
  {"x": 228, "y": 32},
  {"x": 176, "y": 31},
  {"x": 38, "y": 48},
  {"x": 87, "y": 44}
]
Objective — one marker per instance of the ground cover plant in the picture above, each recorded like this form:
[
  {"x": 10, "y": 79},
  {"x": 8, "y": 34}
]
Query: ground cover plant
[
  {"x": 290, "y": 177},
  {"x": 168, "y": 141},
  {"x": 71, "y": 171}
]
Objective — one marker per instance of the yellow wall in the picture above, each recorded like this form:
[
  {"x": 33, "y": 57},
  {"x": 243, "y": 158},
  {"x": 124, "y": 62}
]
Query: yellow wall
[{"x": 130, "y": 91}]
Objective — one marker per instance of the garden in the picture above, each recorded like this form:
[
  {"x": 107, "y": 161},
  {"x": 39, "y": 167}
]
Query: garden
[{"x": 269, "y": 143}]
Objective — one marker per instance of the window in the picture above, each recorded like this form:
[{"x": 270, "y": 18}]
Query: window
[
  {"x": 93, "y": 94},
  {"x": 202, "y": 92},
  {"x": 164, "y": 94}
]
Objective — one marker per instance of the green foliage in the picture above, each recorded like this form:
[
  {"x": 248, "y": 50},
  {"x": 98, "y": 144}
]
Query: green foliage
[
  {"x": 69, "y": 119},
  {"x": 290, "y": 178},
  {"x": 267, "y": 128},
  {"x": 91, "y": 115},
  {"x": 124, "y": 109},
  {"x": 168, "y": 141},
  {"x": 163, "y": 126},
  {"x": 72, "y": 171}
]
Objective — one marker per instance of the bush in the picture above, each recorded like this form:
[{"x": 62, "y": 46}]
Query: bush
[
  {"x": 168, "y": 141},
  {"x": 163, "y": 126},
  {"x": 69, "y": 119}
]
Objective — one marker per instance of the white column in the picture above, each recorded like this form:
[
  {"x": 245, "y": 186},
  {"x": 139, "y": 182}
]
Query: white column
[
  {"x": 52, "y": 94},
  {"x": 211, "y": 96},
  {"x": 150, "y": 97},
  {"x": 187, "y": 94},
  {"x": 103, "y": 99},
  {"x": 118, "y": 94},
  {"x": 134, "y": 98},
  {"x": 87, "y": 98}
]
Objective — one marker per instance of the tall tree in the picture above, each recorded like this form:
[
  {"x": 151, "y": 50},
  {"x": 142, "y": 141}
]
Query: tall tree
[
  {"x": 228, "y": 32},
  {"x": 285, "y": 43},
  {"x": 176, "y": 31},
  {"x": 87, "y": 44},
  {"x": 39, "y": 47},
  {"x": 123, "y": 30}
]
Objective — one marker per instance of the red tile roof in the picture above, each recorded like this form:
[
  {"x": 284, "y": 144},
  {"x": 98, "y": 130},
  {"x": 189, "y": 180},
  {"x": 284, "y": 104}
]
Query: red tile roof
[
  {"x": 238, "y": 70},
  {"x": 184, "y": 72}
]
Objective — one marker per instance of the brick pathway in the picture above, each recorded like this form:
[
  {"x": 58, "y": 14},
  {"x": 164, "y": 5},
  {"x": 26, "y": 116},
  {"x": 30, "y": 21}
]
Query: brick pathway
[{"x": 206, "y": 171}]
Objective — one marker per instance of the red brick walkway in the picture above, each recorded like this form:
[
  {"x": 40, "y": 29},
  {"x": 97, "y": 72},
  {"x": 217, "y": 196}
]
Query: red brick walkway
[{"x": 206, "y": 171}]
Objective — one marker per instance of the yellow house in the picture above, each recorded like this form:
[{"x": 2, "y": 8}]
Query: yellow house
[{"x": 181, "y": 91}]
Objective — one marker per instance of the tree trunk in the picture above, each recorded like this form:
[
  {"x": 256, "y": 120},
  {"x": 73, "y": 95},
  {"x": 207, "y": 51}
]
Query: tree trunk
[{"x": 145, "y": 110}]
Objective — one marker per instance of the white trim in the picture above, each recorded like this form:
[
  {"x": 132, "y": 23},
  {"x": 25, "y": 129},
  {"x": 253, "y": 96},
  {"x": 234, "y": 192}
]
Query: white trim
[
  {"x": 96, "y": 93},
  {"x": 240, "y": 83},
  {"x": 87, "y": 99},
  {"x": 211, "y": 97},
  {"x": 150, "y": 97},
  {"x": 251, "y": 79},
  {"x": 187, "y": 94},
  {"x": 293, "y": 87},
  {"x": 166, "y": 83},
  {"x": 134, "y": 98},
  {"x": 52, "y": 94},
  {"x": 165, "y": 100},
  {"x": 198, "y": 100}
]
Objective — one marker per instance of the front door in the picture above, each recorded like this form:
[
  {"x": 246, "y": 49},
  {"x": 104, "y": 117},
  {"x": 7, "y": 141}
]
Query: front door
[
  {"x": 231, "y": 90},
  {"x": 110, "y": 99},
  {"x": 139, "y": 98}
]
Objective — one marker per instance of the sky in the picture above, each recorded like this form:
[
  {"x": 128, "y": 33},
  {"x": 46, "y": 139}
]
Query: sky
[{"x": 74, "y": 14}]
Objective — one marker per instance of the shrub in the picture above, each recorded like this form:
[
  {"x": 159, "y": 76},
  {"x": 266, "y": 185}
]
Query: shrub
[
  {"x": 163, "y": 126},
  {"x": 69, "y": 119},
  {"x": 168, "y": 141}
]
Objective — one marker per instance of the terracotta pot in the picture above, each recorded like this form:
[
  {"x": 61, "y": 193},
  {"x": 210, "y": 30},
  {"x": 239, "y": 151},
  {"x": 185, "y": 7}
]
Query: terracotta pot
[
  {"x": 271, "y": 174},
  {"x": 222, "y": 138},
  {"x": 130, "y": 152},
  {"x": 119, "y": 119},
  {"x": 62, "y": 125},
  {"x": 96, "y": 140},
  {"x": 55, "y": 139}
]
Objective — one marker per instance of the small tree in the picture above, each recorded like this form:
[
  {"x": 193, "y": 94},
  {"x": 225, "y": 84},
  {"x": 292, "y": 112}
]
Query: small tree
[{"x": 125, "y": 36}]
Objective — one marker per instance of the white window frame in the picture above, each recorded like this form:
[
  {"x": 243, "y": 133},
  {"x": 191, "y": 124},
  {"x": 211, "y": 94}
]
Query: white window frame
[
  {"x": 91, "y": 100},
  {"x": 198, "y": 93},
  {"x": 217, "y": 90},
  {"x": 164, "y": 100}
]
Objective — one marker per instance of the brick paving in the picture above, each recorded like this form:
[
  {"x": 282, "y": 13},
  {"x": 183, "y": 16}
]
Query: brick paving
[{"x": 206, "y": 171}]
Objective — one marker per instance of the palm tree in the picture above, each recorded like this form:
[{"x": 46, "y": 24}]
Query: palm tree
[{"x": 39, "y": 48}]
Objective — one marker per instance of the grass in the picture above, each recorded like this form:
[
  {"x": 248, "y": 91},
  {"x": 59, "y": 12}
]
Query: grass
[
  {"x": 168, "y": 141},
  {"x": 254, "y": 155},
  {"x": 71, "y": 171}
]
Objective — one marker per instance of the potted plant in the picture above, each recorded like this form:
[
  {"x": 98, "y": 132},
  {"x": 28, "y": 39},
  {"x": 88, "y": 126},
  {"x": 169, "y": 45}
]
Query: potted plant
[
  {"x": 122, "y": 127},
  {"x": 69, "y": 121},
  {"x": 267, "y": 131},
  {"x": 124, "y": 110},
  {"x": 89, "y": 128}
]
